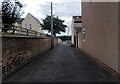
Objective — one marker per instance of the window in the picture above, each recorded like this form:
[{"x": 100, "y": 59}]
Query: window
[
  {"x": 25, "y": 25},
  {"x": 84, "y": 34},
  {"x": 30, "y": 26}
]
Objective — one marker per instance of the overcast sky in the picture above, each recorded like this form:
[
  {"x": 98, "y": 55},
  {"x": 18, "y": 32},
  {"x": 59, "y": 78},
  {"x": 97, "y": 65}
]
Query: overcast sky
[{"x": 64, "y": 9}]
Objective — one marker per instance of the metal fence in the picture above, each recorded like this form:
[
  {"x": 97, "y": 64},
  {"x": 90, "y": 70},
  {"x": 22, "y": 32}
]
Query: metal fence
[{"x": 21, "y": 31}]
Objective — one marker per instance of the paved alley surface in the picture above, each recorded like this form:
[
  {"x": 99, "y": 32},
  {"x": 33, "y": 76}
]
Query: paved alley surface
[{"x": 62, "y": 64}]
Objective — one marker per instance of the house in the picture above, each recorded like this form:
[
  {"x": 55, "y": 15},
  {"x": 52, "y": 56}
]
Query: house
[
  {"x": 76, "y": 31},
  {"x": 30, "y": 22},
  {"x": 19, "y": 23},
  {"x": 100, "y": 26}
]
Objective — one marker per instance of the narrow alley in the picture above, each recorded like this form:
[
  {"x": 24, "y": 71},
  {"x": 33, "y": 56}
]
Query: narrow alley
[{"x": 62, "y": 64}]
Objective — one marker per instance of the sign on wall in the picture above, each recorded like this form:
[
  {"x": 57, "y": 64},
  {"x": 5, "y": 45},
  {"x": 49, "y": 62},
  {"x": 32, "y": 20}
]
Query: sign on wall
[{"x": 83, "y": 34}]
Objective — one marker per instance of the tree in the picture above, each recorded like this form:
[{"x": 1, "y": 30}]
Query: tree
[
  {"x": 58, "y": 25},
  {"x": 11, "y": 12}
]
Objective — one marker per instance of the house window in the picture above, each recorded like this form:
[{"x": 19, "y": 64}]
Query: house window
[
  {"x": 84, "y": 34},
  {"x": 30, "y": 26},
  {"x": 25, "y": 25}
]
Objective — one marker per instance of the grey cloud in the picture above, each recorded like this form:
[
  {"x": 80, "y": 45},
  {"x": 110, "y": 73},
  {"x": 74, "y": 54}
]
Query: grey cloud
[
  {"x": 67, "y": 9},
  {"x": 24, "y": 5},
  {"x": 61, "y": 9},
  {"x": 44, "y": 9}
]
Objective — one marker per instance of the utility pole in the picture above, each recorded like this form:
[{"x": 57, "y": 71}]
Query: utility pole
[{"x": 52, "y": 38}]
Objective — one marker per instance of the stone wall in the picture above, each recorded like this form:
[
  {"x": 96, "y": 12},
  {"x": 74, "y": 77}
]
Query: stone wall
[{"x": 17, "y": 51}]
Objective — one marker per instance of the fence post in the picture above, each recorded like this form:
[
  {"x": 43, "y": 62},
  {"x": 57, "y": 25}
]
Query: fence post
[
  {"x": 35, "y": 33},
  {"x": 27, "y": 32},
  {"x": 13, "y": 30}
]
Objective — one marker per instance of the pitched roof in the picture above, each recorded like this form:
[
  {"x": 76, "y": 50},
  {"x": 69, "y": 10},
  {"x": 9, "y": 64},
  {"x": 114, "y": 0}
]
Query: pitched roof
[{"x": 35, "y": 18}]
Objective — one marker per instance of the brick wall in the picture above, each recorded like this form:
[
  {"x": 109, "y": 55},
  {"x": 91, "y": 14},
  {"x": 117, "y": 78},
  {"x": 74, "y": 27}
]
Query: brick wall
[{"x": 17, "y": 51}]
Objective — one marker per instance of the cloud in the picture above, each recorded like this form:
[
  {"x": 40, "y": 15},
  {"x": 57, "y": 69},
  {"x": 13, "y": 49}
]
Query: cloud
[
  {"x": 24, "y": 5},
  {"x": 45, "y": 9},
  {"x": 61, "y": 9},
  {"x": 1, "y": 4},
  {"x": 67, "y": 9}
]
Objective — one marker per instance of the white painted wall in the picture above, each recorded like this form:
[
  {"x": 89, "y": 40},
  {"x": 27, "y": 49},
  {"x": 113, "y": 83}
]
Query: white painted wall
[{"x": 73, "y": 25}]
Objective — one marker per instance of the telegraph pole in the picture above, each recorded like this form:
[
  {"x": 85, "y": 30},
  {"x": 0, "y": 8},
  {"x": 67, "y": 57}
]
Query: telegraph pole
[{"x": 52, "y": 38}]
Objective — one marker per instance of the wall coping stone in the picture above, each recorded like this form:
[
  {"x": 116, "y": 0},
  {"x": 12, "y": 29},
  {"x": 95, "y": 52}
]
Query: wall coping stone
[{"x": 23, "y": 37}]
